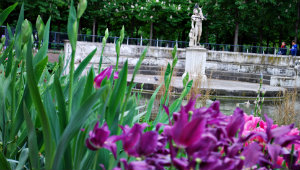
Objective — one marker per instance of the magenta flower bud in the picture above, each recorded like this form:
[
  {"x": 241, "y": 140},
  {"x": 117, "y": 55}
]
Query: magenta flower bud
[{"x": 104, "y": 74}]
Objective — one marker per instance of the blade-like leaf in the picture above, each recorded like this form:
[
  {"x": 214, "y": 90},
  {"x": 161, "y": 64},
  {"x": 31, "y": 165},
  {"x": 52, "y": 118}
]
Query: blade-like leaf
[
  {"x": 117, "y": 96},
  {"x": 32, "y": 140},
  {"x": 77, "y": 120},
  {"x": 150, "y": 104},
  {"x": 20, "y": 20},
  {"x": 36, "y": 98},
  {"x": 22, "y": 159},
  {"x": 88, "y": 89},
  {"x": 6, "y": 12}
]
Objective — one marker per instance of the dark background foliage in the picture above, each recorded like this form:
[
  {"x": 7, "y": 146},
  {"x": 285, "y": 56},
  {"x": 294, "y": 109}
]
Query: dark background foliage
[{"x": 251, "y": 22}]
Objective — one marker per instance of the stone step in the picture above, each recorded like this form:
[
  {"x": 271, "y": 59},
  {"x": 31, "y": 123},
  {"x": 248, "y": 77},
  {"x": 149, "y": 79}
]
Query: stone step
[{"x": 244, "y": 77}]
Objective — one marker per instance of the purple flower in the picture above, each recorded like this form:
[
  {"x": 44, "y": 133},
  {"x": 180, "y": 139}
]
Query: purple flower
[
  {"x": 252, "y": 154},
  {"x": 135, "y": 143},
  {"x": 99, "y": 138},
  {"x": 236, "y": 123},
  {"x": 106, "y": 73},
  {"x": 185, "y": 133}
]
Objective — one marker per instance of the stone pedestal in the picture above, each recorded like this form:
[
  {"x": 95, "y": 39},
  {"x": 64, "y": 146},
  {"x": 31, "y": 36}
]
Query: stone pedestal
[{"x": 195, "y": 64}]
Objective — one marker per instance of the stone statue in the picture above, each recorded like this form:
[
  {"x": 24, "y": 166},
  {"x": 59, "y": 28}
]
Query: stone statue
[{"x": 196, "y": 30}]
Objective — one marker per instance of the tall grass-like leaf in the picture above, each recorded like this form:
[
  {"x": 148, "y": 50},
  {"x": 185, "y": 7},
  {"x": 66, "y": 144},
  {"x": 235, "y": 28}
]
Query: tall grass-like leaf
[
  {"x": 88, "y": 88},
  {"x": 36, "y": 98},
  {"x": 83, "y": 64},
  {"x": 4, "y": 165},
  {"x": 62, "y": 117},
  {"x": 167, "y": 74},
  {"x": 6, "y": 12},
  {"x": 62, "y": 113},
  {"x": 150, "y": 104},
  {"x": 32, "y": 140},
  {"x": 185, "y": 79},
  {"x": 20, "y": 21},
  {"x": 117, "y": 96},
  {"x": 118, "y": 48},
  {"x": 77, "y": 120},
  {"x": 22, "y": 158},
  {"x": 51, "y": 114},
  {"x": 42, "y": 53}
]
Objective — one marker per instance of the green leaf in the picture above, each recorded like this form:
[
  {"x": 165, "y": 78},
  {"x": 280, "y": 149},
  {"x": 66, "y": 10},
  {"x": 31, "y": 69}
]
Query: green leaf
[
  {"x": 42, "y": 53},
  {"x": 167, "y": 74},
  {"x": 83, "y": 64},
  {"x": 4, "y": 165},
  {"x": 117, "y": 96},
  {"x": 22, "y": 159},
  {"x": 118, "y": 47},
  {"x": 6, "y": 12},
  {"x": 51, "y": 114},
  {"x": 32, "y": 140},
  {"x": 150, "y": 104},
  {"x": 88, "y": 89},
  {"x": 36, "y": 98},
  {"x": 77, "y": 120},
  {"x": 81, "y": 68},
  {"x": 174, "y": 52},
  {"x": 20, "y": 20},
  {"x": 62, "y": 113},
  {"x": 185, "y": 79},
  {"x": 72, "y": 26}
]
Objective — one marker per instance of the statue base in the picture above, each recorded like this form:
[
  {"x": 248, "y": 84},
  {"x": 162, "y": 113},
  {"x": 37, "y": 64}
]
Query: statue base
[{"x": 195, "y": 63}]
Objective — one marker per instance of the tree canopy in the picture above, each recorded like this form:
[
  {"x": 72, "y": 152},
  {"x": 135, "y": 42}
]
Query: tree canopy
[{"x": 252, "y": 22}]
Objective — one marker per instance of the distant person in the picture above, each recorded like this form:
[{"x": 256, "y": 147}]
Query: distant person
[
  {"x": 294, "y": 49},
  {"x": 283, "y": 49}
]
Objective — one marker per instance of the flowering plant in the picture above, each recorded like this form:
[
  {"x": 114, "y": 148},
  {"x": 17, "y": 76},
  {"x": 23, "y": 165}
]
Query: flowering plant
[{"x": 203, "y": 139}]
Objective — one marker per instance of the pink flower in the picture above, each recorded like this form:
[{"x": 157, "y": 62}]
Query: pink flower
[{"x": 106, "y": 73}]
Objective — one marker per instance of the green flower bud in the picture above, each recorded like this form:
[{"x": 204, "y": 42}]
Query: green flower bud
[
  {"x": 40, "y": 27},
  {"x": 26, "y": 31},
  {"x": 81, "y": 8}
]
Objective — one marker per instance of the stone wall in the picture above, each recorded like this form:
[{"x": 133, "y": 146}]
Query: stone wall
[{"x": 276, "y": 68}]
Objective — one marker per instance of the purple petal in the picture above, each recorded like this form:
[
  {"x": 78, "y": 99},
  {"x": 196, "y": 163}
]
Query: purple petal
[
  {"x": 280, "y": 131},
  {"x": 147, "y": 143},
  {"x": 268, "y": 129},
  {"x": 274, "y": 151},
  {"x": 105, "y": 73},
  {"x": 180, "y": 164},
  {"x": 287, "y": 140},
  {"x": 116, "y": 75},
  {"x": 252, "y": 154},
  {"x": 236, "y": 123},
  {"x": 190, "y": 133}
]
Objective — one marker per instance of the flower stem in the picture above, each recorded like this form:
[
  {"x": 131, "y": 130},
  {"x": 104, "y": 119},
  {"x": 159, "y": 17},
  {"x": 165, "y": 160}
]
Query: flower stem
[{"x": 71, "y": 82}]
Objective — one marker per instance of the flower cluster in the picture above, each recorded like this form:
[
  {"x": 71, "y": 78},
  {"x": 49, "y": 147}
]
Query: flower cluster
[{"x": 204, "y": 138}]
